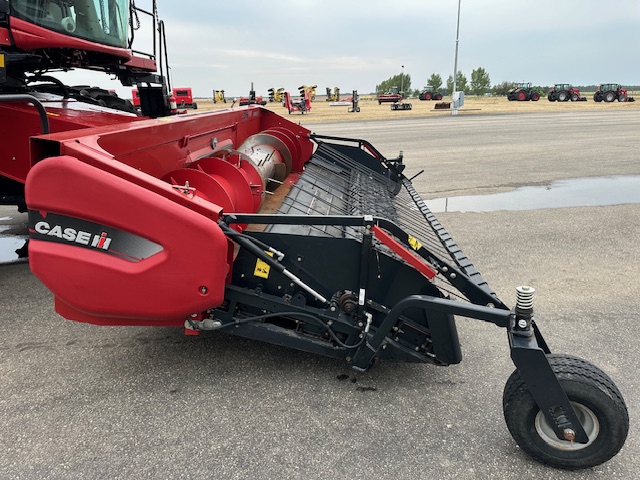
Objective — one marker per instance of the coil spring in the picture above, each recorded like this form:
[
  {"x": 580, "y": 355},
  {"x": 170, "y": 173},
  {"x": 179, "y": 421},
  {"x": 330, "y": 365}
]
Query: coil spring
[{"x": 524, "y": 297}]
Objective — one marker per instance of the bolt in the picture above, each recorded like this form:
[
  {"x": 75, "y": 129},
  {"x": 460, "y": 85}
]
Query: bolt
[
  {"x": 333, "y": 308},
  {"x": 330, "y": 322},
  {"x": 522, "y": 323},
  {"x": 445, "y": 269},
  {"x": 194, "y": 315},
  {"x": 453, "y": 275},
  {"x": 490, "y": 305},
  {"x": 569, "y": 434},
  {"x": 417, "y": 349},
  {"x": 348, "y": 359},
  {"x": 360, "y": 324},
  {"x": 203, "y": 290}
]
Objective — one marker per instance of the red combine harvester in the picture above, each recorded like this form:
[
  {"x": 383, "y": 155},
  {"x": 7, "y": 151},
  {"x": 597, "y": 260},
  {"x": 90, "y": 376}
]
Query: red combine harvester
[
  {"x": 36, "y": 39},
  {"x": 245, "y": 222}
]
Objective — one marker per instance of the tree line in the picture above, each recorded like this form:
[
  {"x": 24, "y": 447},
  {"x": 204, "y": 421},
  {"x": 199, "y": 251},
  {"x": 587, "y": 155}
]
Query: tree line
[{"x": 479, "y": 84}]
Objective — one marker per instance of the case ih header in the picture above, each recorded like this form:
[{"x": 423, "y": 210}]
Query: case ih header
[{"x": 245, "y": 222}]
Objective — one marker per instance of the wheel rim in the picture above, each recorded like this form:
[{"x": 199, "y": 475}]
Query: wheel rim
[{"x": 587, "y": 418}]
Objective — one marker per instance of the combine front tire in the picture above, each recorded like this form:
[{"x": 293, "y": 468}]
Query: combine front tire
[{"x": 597, "y": 402}]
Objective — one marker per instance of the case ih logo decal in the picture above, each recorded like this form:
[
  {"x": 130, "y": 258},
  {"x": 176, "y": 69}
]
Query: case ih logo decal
[
  {"x": 70, "y": 234},
  {"x": 51, "y": 227}
]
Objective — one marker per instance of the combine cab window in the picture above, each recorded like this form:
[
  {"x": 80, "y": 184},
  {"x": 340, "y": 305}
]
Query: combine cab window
[{"x": 99, "y": 21}]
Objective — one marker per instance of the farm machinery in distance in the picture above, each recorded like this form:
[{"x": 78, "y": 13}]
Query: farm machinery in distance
[
  {"x": 218, "y": 96},
  {"x": 244, "y": 222},
  {"x": 335, "y": 96},
  {"x": 429, "y": 93},
  {"x": 391, "y": 96},
  {"x": 251, "y": 99},
  {"x": 523, "y": 92},
  {"x": 608, "y": 92},
  {"x": 563, "y": 92},
  {"x": 395, "y": 97},
  {"x": 276, "y": 95}
]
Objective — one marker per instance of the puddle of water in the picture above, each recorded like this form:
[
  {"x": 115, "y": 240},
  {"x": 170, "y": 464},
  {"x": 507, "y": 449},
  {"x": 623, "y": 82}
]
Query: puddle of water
[
  {"x": 581, "y": 192},
  {"x": 10, "y": 248}
]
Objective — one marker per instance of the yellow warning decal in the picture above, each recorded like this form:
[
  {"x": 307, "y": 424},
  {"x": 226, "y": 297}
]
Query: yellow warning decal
[
  {"x": 262, "y": 268},
  {"x": 1, "y": 60},
  {"x": 415, "y": 244}
]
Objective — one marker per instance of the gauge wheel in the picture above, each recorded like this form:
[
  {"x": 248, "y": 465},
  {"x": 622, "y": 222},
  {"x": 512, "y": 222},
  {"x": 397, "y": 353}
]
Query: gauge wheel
[{"x": 597, "y": 403}]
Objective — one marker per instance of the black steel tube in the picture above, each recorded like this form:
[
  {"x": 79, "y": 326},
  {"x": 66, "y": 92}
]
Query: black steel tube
[{"x": 26, "y": 98}]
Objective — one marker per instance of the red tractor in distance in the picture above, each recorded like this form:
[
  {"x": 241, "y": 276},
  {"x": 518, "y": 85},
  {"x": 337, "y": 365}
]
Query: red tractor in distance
[
  {"x": 429, "y": 93},
  {"x": 522, "y": 92},
  {"x": 609, "y": 92},
  {"x": 563, "y": 92}
]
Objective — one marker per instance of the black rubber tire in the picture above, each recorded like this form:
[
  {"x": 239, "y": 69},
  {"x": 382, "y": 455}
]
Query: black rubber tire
[
  {"x": 563, "y": 96},
  {"x": 551, "y": 97},
  {"x": 535, "y": 96},
  {"x": 574, "y": 97},
  {"x": 622, "y": 97},
  {"x": 195, "y": 106},
  {"x": 597, "y": 97},
  {"x": 609, "y": 97},
  {"x": 590, "y": 390}
]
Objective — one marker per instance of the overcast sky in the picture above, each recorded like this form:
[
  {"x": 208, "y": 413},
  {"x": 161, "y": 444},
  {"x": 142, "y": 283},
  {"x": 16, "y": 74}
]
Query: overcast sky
[{"x": 356, "y": 44}]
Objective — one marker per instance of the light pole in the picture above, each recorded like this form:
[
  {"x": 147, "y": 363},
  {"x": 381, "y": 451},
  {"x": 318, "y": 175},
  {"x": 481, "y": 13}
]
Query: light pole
[
  {"x": 454, "y": 109},
  {"x": 402, "y": 82}
]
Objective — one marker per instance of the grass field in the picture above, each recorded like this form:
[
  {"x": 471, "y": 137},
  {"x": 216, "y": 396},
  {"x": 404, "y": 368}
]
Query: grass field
[{"x": 321, "y": 111}]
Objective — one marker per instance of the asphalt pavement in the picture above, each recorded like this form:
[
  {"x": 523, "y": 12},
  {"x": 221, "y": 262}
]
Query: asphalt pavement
[{"x": 82, "y": 401}]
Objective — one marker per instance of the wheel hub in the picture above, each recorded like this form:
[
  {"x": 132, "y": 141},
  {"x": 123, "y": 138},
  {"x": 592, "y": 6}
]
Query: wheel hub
[{"x": 588, "y": 420}]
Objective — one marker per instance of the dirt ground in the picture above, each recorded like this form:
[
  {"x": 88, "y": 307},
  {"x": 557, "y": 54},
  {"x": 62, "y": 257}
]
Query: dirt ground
[{"x": 321, "y": 111}]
